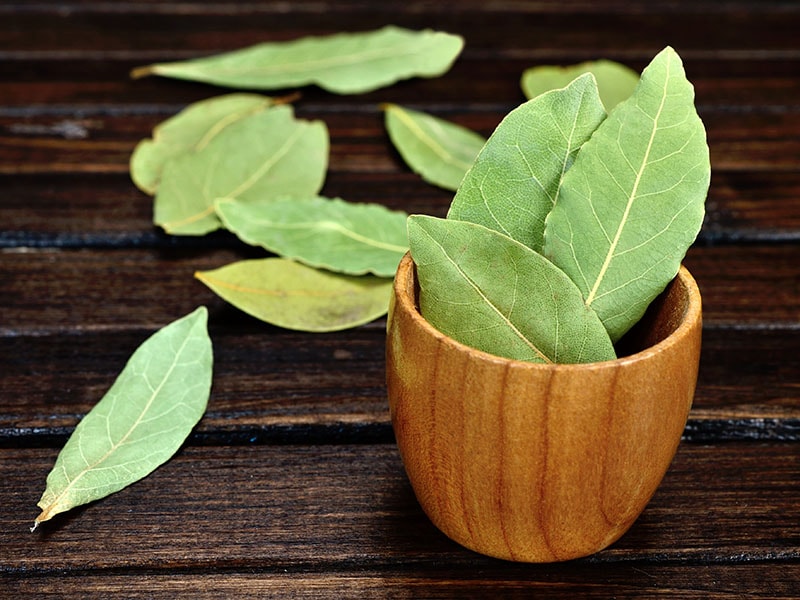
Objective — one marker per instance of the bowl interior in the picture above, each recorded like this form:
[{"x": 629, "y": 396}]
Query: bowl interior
[{"x": 661, "y": 319}]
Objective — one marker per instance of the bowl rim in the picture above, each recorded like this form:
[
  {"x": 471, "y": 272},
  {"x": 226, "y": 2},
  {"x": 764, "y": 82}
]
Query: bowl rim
[{"x": 692, "y": 318}]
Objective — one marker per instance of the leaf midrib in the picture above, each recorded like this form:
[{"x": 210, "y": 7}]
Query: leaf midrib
[
  {"x": 569, "y": 141},
  {"x": 330, "y": 225},
  {"x": 491, "y": 305},
  {"x": 268, "y": 164},
  {"x": 212, "y": 281},
  {"x": 632, "y": 196},
  {"x": 301, "y": 67},
  {"x": 228, "y": 120}
]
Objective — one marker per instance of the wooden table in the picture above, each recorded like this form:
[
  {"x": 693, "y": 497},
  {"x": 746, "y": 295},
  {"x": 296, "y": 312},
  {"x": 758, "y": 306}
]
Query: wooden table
[{"x": 291, "y": 485}]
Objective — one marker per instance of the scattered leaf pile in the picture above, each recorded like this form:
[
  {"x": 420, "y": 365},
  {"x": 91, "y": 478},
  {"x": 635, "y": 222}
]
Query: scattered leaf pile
[{"x": 246, "y": 163}]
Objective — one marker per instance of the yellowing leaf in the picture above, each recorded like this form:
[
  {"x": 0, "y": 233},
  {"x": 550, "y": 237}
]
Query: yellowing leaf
[
  {"x": 633, "y": 202},
  {"x": 440, "y": 151},
  {"x": 139, "y": 424},
  {"x": 492, "y": 293},
  {"x": 345, "y": 63},
  {"x": 294, "y": 296},
  {"x": 190, "y": 130},
  {"x": 615, "y": 82},
  {"x": 346, "y": 237},
  {"x": 269, "y": 154},
  {"x": 516, "y": 178}
]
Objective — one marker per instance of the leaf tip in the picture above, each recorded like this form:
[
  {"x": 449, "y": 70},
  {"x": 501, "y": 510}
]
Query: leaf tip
[
  {"x": 45, "y": 515},
  {"x": 200, "y": 316},
  {"x": 412, "y": 220},
  {"x": 667, "y": 53}
]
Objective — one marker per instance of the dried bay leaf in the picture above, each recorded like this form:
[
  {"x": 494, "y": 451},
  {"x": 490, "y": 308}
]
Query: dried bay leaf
[
  {"x": 269, "y": 154},
  {"x": 633, "y": 202},
  {"x": 351, "y": 238},
  {"x": 295, "y": 296},
  {"x": 190, "y": 130},
  {"x": 615, "y": 81},
  {"x": 495, "y": 294},
  {"x": 516, "y": 178},
  {"x": 141, "y": 421},
  {"x": 344, "y": 63},
  {"x": 439, "y": 151}
]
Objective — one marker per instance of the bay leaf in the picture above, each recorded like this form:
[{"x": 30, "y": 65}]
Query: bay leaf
[
  {"x": 295, "y": 296},
  {"x": 516, "y": 178},
  {"x": 615, "y": 81},
  {"x": 633, "y": 202},
  {"x": 345, "y": 237},
  {"x": 269, "y": 154},
  {"x": 492, "y": 293},
  {"x": 344, "y": 63},
  {"x": 441, "y": 152},
  {"x": 189, "y": 130},
  {"x": 140, "y": 422}
]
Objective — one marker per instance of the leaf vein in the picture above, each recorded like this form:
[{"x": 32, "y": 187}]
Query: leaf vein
[{"x": 632, "y": 196}]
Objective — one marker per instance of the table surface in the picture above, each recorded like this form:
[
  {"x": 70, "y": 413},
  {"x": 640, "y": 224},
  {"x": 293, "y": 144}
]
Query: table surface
[{"x": 291, "y": 485}]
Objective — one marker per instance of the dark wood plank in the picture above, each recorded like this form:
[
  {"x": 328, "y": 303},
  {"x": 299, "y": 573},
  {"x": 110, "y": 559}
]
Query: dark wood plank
[
  {"x": 580, "y": 26},
  {"x": 774, "y": 581},
  {"x": 50, "y": 290},
  {"x": 359, "y": 143},
  {"x": 747, "y": 286},
  {"x": 84, "y": 290},
  {"x": 80, "y": 53},
  {"x": 106, "y": 210},
  {"x": 269, "y": 384},
  {"x": 93, "y": 84},
  {"x": 245, "y": 7},
  {"x": 284, "y": 387},
  {"x": 761, "y": 148},
  {"x": 752, "y": 205},
  {"x": 351, "y": 507}
]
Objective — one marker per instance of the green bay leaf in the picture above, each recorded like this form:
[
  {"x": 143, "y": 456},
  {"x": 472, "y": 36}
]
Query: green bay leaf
[
  {"x": 189, "y": 130},
  {"x": 516, "y": 178},
  {"x": 269, "y": 154},
  {"x": 346, "y": 237},
  {"x": 344, "y": 63},
  {"x": 492, "y": 293},
  {"x": 615, "y": 81},
  {"x": 140, "y": 422},
  {"x": 633, "y": 202},
  {"x": 441, "y": 152},
  {"x": 295, "y": 296}
]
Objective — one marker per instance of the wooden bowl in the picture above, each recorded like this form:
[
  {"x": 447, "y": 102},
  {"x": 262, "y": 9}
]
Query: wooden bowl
[{"x": 539, "y": 463}]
